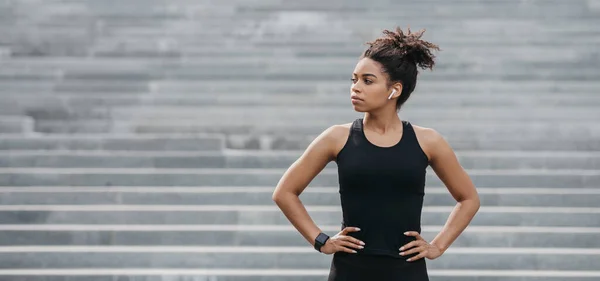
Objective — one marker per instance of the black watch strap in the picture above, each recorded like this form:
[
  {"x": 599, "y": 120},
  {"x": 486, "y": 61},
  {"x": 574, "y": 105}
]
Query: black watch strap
[{"x": 320, "y": 241}]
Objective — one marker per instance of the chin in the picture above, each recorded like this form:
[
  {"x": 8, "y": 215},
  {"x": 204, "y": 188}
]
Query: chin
[{"x": 358, "y": 109}]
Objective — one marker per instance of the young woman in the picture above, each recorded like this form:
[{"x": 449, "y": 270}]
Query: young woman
[{"x": 382, "y": 163}]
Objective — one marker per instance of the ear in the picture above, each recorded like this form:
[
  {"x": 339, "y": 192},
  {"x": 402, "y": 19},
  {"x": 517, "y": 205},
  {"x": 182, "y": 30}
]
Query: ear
[{"x": 397, "y": 88}]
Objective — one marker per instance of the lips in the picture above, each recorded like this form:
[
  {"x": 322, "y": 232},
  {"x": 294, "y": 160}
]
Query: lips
[{"x": 355, "y": 98}]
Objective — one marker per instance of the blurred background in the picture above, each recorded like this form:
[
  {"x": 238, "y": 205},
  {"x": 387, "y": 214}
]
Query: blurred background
[{"x": 142, "y": 139}]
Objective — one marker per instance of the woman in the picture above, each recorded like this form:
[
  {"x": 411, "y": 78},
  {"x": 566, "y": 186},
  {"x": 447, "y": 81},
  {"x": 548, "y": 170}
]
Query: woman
[{"x": 382, "y": 163}]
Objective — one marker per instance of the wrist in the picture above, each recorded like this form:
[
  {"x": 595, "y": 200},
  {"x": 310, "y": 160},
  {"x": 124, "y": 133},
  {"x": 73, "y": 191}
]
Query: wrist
[
  {"x": 320, "y": 241},
  {"x": 440, "y": 247}
]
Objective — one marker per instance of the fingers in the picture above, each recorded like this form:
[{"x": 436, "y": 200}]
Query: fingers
[
  {"x": 350, "y": 245},
  {"x": 417, "y": 246},
  {"x": 413, "y": 250},
  {"x": 417, "y": 257},
  {"x": 413, "y": 244},
  {"x": 349, "y": 241},
  {"x": 344, "y": 243},
  {"x": 353, "y": 240},
  {"x": 345, "y": 246},
  {"x": 349, "y": 229},
  {"x": 415, "y": 234}
]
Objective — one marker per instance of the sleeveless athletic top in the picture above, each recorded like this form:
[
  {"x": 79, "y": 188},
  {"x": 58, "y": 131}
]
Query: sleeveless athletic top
[{"x": 382, "y": 189}]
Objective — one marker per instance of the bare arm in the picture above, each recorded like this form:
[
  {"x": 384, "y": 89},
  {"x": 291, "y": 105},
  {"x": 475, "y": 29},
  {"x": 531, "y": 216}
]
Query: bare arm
[
  {"x": 293, "y": 182},
  {"x": 445, "y": 164}
]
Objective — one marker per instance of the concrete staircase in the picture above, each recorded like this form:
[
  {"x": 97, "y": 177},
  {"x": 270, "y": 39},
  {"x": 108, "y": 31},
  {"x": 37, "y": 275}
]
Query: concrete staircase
[{"x": 141, "y": 140}]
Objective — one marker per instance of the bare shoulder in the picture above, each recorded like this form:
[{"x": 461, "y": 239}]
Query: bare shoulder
[
  {"x": 320, "y": 151},
  {"x": 337, "y": 136},
  {"x": 428, "y": 135},
  {"x": 339, "y": 130},
  {"x": 429, "y": 139},
  {"x": 329, "y": 142}
]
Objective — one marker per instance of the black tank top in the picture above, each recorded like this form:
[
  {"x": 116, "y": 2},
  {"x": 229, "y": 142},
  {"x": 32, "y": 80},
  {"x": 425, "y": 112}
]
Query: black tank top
[{"x": 382, "y": 189}]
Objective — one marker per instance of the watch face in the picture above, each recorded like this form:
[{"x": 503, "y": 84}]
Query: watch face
[
  {"x": 320, "y": 241},
  {"x": 321, "y": 238}
]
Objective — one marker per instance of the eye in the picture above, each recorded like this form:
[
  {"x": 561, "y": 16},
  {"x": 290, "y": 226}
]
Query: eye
[
  {"x": 353, "y": 80},
  {"x": 368, "y": 82}
]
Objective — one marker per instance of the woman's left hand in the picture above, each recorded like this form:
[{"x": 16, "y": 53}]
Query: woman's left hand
[{"x": 420, "y": 246}]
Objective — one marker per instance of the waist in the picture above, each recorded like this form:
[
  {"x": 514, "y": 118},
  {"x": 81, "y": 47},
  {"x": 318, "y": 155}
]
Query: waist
[
  {"x": 382, "y": 240},
  {"x": 396, "y": 217},
  {"x": 374, "y": 260}
]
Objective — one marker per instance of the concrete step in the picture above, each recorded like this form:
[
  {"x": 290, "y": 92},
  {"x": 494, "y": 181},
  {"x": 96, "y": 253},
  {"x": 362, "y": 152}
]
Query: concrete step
[
  {"x": 275, "y": 235},
  {"x": 274, "y": 159},
  {"x": 279, "y": 275},
  {"x": 178, "y": 10},
  {"x": 268, "y": 177},
  {"x": 135, "y": 80},
  {"x": 15, "y": 87},
  {"x": 35, "y": 106},
  {"x": 367, "y": 26},
  {"x": 462, "y": 8},
  {"x": 131, "y": 47},
  {"x": 364, "y": 24},
  {"x": 470, "y": 130},
  {"x": 526, "y": 52},
  {"x": 295, "y": 141},
  {"x": 435, "y": 196},
  {"x": 495, "y": 128},
  {"x": 266, "y": 26},
  {"x": 273, "y": 90},
  {"x": 24, "y": 73},
  {"x": 238, "y": 115},
  {"x": 314, "y": 112},
  {"x": 245, "y": 11},
  {"x": 145, "y": 42},
  {"x": 103, "y": 86},
  {"x": 15, "y": 125},
  {"x": 146, "y": 49},
  {"x": 525, "y": 89},
  {"x": 557, "y": 10},
  {"x": 470, "y": 66},
  {"x": 444, "y": 72},
  {"x": 489, "y": 87},
  {"x": 280, "y": 257},
  {"x": 270, "y": 214},
  {"x": 441, "y": 29},
  {"x": 279, "y": 142},
  {"x": 24, "y": 102},
  {"x": 291, "y": 106},
  {"x": 113, "y": 142}
]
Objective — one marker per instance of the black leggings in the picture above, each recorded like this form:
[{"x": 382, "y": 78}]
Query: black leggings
[{"x": 357, "y": 267}]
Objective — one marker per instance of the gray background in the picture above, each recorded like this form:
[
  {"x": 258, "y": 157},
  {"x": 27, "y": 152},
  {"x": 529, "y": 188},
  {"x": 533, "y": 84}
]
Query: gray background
[{"x": 141, "y": 140}]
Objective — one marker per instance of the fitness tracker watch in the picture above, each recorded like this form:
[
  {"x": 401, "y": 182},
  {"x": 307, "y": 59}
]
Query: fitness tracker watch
[{"x": 320, "y": 241}]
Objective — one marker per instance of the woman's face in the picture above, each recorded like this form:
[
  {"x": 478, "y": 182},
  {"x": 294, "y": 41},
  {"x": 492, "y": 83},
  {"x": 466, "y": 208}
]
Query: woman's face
[{"x": 370, "y": 89}]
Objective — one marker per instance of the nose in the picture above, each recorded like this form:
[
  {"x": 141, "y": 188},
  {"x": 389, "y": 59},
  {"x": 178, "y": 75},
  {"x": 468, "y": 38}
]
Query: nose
[{"x": 354, "y": 88}]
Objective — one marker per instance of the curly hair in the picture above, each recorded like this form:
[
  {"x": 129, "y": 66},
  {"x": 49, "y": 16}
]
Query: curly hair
[{"x": 401, "y": 54}]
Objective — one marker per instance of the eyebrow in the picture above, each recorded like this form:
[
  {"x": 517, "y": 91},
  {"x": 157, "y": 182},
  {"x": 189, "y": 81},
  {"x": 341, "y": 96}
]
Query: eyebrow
[{"x": 366, "y": 74}]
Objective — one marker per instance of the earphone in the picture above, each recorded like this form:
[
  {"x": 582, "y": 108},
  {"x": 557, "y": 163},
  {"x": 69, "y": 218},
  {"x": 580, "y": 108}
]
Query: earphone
[{"x": 393, "y": 92}]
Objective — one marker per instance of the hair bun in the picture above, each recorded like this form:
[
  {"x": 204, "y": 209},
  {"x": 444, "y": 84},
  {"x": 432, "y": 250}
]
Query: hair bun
[{"x": 411, "y": 46}]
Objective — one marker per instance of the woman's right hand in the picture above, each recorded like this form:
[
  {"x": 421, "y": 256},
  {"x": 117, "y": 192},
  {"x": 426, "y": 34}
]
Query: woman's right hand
[{"x": 341, "y": 242}]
